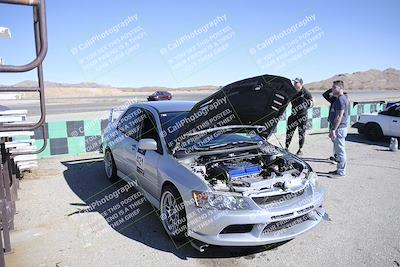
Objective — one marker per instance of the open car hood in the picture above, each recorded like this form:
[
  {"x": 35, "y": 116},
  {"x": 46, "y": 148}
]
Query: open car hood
[{"x": 255, "y": 101}]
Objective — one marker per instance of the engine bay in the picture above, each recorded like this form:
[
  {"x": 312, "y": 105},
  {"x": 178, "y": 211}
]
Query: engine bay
[{"x": 254, "y": 169}]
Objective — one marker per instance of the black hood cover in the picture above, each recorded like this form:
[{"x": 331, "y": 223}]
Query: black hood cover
[{"x": 255, "y": 101}]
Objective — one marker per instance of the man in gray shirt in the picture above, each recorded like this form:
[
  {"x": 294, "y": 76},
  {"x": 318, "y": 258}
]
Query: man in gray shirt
[{"x": 338, "y": 116}]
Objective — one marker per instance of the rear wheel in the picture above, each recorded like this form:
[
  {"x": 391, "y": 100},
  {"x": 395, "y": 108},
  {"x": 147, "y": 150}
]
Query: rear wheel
[
  {"x": 373, "y": 131},
  {"x": 173, "y": 214},
  {"x": 109, "y": 166}
]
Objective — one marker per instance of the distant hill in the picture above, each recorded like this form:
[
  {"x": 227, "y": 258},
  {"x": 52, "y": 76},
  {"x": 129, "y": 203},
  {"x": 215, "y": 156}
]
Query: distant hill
[
  {"x": 363, "y": 80},
  {"x": 29, "y": 83},
  {"x": 48, "y": 84},
  {"x": 371, "y": 79}
]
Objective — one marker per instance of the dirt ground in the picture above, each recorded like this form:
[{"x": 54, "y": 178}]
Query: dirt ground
[{"x": 53, "y": 226}]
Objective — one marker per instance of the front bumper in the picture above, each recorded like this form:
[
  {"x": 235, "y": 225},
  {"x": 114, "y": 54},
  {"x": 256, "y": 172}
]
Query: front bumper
[{"x": 267, "y": 226}]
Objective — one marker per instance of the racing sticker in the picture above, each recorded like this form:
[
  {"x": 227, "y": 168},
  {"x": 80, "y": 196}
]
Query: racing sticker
[{"x": 140, "y": 163}]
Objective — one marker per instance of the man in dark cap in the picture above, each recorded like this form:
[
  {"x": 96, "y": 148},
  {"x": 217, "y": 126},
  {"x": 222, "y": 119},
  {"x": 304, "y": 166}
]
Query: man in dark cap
[
  {"x": 301, "y": 102},
  {"x": 331, "y": 98},
  {"x": 338, "y": 117}
]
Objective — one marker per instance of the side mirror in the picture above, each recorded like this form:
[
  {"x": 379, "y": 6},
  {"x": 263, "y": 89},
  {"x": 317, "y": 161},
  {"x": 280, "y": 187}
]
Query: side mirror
[{"x": 147, "y": 144}]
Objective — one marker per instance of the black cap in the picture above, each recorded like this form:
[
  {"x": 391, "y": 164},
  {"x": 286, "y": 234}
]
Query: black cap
[{"x": 300, "y": 80}]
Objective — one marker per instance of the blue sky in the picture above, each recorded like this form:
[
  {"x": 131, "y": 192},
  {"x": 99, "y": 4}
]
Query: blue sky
[{"x": 351, "y": 36}]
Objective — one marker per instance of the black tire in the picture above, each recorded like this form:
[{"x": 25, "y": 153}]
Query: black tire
[
  {"x": 180, "y": 232},
  {"x": 373, "y": 131},
  {"x": 110, "y": 163}
]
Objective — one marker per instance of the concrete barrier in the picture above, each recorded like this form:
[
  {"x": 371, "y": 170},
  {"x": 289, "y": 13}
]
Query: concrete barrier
[{"x": 82, "y": 136}]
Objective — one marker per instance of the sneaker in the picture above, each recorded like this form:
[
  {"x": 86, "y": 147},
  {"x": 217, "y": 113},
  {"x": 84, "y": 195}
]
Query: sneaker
[
  {"x": 333, "y": 159},
  {"x": 299, "y": 153},
  {"x": 336, "y": 174}
]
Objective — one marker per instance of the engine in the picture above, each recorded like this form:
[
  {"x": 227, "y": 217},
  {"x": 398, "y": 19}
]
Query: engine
[
  {"x": 232, "y": 171},
  {"x": 248, "y": 169}
]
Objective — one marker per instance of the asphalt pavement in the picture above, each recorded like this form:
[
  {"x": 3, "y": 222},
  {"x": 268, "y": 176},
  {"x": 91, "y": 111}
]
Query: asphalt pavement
[{"x": 54, "y": 226}]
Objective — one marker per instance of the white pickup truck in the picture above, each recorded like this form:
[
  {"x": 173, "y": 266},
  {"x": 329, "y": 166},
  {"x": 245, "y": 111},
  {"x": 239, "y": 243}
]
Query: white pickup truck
[{"x": 377, "y": 125}]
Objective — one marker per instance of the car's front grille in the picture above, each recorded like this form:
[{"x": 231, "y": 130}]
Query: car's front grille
[
  {"x": 274, "y": 201},
  {"x": 277, "y": 217},
  {"x": 305, "y": 210},
  {"x": 284, "y": 224}
]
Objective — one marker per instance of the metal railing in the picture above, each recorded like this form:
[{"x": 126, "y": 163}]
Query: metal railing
[
  {"x": 40, "y": 31},
  {"x": 9, "y": 173}
]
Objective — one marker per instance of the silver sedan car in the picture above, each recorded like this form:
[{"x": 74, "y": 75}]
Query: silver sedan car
[{"x": 209, "y": 169}]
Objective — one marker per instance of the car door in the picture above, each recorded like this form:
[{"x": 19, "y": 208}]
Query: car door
[
  {"x": 129, "y": 127},
  {"x": 147, "y": 160},
  {"x": 162, "y": 96},
  {"x": 394, "y": 121},
  {"x": 118, "y": 139}
]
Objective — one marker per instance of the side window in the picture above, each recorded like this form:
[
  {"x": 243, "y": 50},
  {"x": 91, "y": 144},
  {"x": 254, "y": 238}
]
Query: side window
[
  {"x": 392, "y": 111},
  {"x": 149, "y": 130},
  {"x": 396, "y": 111},
  {"x": 130, "y": 122}
]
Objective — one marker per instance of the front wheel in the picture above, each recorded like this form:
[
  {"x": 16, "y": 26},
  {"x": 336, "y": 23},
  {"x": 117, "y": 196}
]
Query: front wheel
[
  {"x": 173, "y": 214},
  {"x": 109, "y": 166},
  {"x": 373, "y": 131}
]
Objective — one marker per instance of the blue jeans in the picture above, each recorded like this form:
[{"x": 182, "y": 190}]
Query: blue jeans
[{"x": 339, "y": 145}]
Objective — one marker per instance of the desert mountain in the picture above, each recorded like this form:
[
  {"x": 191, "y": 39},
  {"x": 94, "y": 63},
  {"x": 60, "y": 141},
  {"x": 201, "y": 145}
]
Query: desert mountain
[
  {"x": 30, "y": 83},
  {"x": 371, "y": 79}
]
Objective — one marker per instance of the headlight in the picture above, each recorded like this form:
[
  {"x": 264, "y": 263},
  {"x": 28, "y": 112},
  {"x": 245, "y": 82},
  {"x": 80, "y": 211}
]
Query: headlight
[
  {"x": 219, "y": 201},
  {"x": 314, "y": 180}
]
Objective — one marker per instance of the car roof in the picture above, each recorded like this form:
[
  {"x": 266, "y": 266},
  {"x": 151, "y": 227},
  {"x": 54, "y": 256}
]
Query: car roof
[{"x": 168, "y": 106}]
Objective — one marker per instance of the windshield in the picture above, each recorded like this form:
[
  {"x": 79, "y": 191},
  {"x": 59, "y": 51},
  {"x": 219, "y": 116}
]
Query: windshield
[
  {"x": 171, "y": 122},
  {"x": 220, "y": 138}
]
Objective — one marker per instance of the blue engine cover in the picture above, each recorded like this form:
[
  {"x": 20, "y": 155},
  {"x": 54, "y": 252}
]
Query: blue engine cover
[{"x": 239, "y": 170}]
